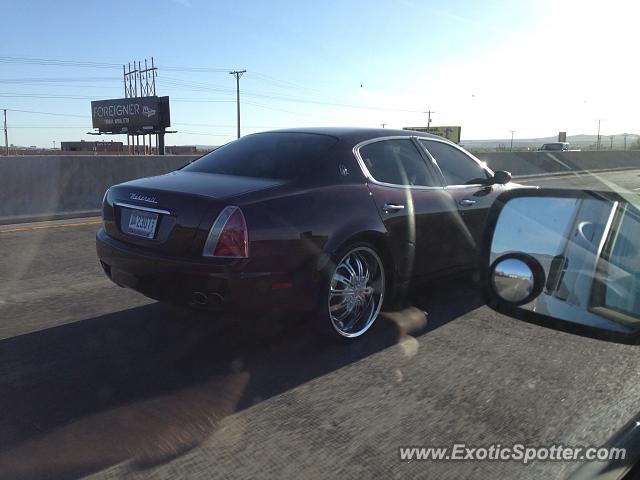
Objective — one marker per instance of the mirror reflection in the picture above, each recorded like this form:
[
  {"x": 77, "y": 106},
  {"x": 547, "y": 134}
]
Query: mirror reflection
[
  {"x": 589, "y": 250},
  {"x": 512, "y": 280}
]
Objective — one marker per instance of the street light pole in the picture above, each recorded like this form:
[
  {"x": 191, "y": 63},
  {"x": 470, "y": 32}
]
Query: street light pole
[{"x": 511, "y": 146}]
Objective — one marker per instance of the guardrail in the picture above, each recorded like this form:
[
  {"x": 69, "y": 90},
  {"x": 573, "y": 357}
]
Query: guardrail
[{"x": 51, "y": 187}]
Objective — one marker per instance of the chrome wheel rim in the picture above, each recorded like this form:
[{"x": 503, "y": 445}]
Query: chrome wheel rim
[{"x": 356, "y": 292}]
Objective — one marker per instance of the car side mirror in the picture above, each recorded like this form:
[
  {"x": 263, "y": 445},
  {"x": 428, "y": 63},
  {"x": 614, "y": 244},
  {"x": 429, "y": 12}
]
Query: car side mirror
[
  {"x": 501, "y": 177},
  {"x": 568, "y": 259}
]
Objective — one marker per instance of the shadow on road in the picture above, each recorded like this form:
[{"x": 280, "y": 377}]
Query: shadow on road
[{"x": 148, "y": 384}]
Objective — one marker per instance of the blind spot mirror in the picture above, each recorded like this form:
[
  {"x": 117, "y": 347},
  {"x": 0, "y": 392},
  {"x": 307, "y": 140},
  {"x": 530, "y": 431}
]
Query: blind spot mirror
[{"x": 516, "y": 279}]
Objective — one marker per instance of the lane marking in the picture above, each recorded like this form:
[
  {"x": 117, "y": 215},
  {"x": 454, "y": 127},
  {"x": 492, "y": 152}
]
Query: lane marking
[{"x": 41, "y": 227}]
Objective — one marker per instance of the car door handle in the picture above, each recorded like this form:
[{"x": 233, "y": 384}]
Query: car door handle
[
  {"x": 392, "y": 207},
  {"x": 466, "y": 202}
]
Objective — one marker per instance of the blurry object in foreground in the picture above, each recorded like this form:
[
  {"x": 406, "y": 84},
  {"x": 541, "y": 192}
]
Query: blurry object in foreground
[{"x": 566, "y": 258}]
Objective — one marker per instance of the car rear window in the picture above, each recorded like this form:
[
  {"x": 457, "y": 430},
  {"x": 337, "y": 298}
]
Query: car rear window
[{"x": 283, "y": 156}]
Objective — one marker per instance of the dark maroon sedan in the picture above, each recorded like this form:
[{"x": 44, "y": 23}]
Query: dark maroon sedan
[{"x": 330, "y": 220}]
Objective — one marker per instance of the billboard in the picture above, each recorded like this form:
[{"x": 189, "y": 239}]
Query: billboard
[
  {"x": 450, "y": 133},
  {"x": 135, "y": 115}
]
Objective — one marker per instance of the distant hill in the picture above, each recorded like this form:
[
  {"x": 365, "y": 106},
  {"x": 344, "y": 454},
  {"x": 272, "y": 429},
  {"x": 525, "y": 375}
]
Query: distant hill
[{"x": 578, "y": 141}]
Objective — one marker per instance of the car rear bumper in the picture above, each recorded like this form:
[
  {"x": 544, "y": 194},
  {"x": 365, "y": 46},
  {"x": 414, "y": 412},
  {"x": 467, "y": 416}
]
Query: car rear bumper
[{"x": 202, "y": 283}]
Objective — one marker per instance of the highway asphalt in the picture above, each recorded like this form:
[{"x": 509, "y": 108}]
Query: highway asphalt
[{"x": 98, "y": 381}]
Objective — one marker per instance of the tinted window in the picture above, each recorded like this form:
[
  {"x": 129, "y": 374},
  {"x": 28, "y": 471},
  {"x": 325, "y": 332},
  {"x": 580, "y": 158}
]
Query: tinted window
[
  {"x": 456, "y": 167},
  {"x": 396, "y": 161},
  {"x": 266, "y": 155}
]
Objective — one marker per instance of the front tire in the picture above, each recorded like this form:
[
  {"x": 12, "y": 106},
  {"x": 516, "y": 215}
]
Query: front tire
[{"x": 353, "y": 292}]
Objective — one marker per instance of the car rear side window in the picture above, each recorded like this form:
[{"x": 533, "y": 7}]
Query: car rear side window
[
  {"x": 398, "y": 162},
  {"x": 457, "y": 168},
  {"x": 278, "y": 155}
]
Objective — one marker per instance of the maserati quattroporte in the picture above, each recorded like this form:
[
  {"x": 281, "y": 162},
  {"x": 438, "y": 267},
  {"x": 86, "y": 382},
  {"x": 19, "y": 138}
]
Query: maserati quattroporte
[{"x": 333, "y": 221}]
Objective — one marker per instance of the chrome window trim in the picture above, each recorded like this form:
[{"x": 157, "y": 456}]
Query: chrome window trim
[
  {"x": 367, "y": 173},
  {"x": 216, "y": 230},
  {"x": 140, "y": 207},
  {"x": 480, "y": 163}
]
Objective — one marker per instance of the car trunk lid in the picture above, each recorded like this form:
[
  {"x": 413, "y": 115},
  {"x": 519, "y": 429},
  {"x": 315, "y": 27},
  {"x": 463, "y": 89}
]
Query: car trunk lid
[{"x": 166, "y": 213}]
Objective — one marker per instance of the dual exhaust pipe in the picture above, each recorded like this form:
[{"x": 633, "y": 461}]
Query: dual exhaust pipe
[{"x": 202, "y": 299}]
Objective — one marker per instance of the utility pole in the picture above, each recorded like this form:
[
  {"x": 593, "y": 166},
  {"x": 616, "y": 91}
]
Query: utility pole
[
  {"x": 611, "y": 140},
  {"x": 238, "y": 74},
  {"x": 598, "y": 140},
  {"x": 429, "y": 112},
  {"x": 511, "y": 146},
  {"x": 625, "y": 141},
  {"x": 6, "y": 136}
]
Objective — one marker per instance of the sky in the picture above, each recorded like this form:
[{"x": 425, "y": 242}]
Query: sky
[{"x": 535, "y": 67}]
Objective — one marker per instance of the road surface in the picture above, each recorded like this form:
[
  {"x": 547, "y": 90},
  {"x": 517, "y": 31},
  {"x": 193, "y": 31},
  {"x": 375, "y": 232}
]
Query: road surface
[{"x": 99, "y": 381}]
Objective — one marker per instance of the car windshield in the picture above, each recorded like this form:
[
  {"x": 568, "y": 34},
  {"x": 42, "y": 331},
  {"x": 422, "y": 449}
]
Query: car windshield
[{"x": 283, "y": 156}]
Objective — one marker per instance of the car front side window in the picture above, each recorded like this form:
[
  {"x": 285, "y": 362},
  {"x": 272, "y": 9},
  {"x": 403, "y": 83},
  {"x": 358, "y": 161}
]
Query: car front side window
[
  {"x": 397, "y": 162},
  {"x": 457, "y": 167}
]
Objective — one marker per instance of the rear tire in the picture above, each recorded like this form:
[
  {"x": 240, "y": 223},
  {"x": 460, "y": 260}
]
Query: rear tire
[{"x": 352, "y": 292}]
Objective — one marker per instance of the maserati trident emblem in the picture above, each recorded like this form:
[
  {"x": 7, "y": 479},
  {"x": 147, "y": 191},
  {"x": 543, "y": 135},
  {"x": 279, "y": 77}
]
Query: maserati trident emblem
[{"x": 142, "y": 198}]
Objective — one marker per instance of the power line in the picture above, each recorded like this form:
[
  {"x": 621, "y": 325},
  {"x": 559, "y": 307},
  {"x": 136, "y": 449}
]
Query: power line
[
  {"x": 47, "y": 126},
  {"x": 207, "y": 134},
  {"x": 56, "y": 62},
  {"x": 214, "y": 125},
  {"x": 56, "y": 79},
  {"x": 74, "y": 63},
  {"x": 50, "y": 96},
  {"x": 48, "y": 113},
  {"x": 90, "y": 64}
]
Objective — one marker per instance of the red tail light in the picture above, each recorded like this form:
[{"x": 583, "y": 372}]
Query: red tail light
[{"x": 228, "y": 236}]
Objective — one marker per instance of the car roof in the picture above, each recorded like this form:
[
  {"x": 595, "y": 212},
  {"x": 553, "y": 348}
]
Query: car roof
[{"x": 355, "y": 134}]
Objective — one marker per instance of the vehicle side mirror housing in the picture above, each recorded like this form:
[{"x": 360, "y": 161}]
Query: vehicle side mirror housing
[
  {"x": 566, "y": 259},
  {"x": 501, "y": 177}
]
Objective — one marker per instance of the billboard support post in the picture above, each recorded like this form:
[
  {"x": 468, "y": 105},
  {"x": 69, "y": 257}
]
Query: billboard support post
[{"x": 161, "y": 143}]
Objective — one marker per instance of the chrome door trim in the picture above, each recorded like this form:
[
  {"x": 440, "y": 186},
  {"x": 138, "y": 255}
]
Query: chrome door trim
[
  {"x": 367, "y": 173},
  {"x": 479, "y": 162}
]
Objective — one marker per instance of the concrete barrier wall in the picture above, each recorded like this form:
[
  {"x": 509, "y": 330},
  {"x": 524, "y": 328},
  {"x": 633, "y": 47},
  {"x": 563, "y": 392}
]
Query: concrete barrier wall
[
  {"x": 38, "y": 187},
  {"x": 539, "y": 163}
]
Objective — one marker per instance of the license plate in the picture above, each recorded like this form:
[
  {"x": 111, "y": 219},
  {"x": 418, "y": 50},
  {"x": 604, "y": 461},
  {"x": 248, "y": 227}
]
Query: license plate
[{"x": 142, "y": 224}]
